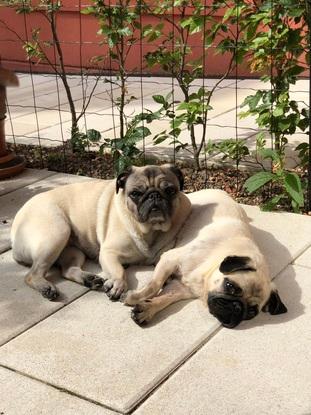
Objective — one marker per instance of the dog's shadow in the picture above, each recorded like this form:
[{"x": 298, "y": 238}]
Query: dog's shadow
[{"x": 284, "y": 276}]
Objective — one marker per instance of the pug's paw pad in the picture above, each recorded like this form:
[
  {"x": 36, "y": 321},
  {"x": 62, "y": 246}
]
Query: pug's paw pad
[
  {"x": 94, "y": 282},
  {"x": 115, "y": 288},
  {"x": 49, "y": 292}
]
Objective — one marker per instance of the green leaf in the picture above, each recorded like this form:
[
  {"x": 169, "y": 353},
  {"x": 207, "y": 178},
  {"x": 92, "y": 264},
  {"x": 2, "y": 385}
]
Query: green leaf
[
  {"x": 271, "y": 204},
  {"x": 267, "y": 153},
  {"x": 294, "y": 189},
  {"x": 93, "y": 135},
  {"x": 125, "y": 31},
  {"x": 278, "y": 111},
  {"x": 258, "y": 180},
  {"x": 159, "y": 99},
  {"x": 88, "y": 10},
  {"x": 159, "y": 139}
]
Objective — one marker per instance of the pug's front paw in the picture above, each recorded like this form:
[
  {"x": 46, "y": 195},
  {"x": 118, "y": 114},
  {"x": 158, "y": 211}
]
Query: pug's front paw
[
  {"x": 114, "y": 288},
  {"x": 94, "y": 282},
  {"x": 142, "y": 313},
  {"x": 130, "y": 298}
]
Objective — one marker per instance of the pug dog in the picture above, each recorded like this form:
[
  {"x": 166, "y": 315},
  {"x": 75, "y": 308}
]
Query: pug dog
[
  {"x": 130, "y": 220},
  {"x": 221, "y": 264}
]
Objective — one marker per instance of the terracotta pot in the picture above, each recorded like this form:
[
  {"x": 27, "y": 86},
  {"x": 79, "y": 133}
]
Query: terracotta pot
[{"x": 10, "y": 164}]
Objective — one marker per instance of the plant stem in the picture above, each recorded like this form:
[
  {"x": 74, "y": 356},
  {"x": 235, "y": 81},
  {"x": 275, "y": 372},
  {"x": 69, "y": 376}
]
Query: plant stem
[{"x": 63, "y": 74}]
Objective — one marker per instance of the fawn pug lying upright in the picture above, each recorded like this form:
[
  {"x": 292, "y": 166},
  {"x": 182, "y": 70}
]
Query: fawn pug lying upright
[
  {"x": 130, "y": 220},
  {"x": 218, "y": 262}
]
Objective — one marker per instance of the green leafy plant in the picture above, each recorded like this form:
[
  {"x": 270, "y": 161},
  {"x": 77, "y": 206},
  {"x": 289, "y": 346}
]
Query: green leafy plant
[
  {"x": 175, "y": 56},
  {"x": 303, "y": 154},
  {"x": 84, "y": 141},
  {"x": 232, "y": 149},
  {"x": 121, "y": 28},
  {"x": 273, "y": 41},
  {"x": 288, "y": 182},
  {"x": 124, "y": 149}
]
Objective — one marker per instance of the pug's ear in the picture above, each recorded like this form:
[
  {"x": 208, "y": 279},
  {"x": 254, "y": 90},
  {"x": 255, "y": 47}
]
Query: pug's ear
[
  {"x": 236, "y": 263},
  {"x": 274, "y": 305},
  {"x": 122, "y": 178},
  {"x": 179, "y": 174}
]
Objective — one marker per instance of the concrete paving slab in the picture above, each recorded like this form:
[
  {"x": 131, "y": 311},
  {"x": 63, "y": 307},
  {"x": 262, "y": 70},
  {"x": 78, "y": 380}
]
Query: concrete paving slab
[
  {"x": 41, "y": 84},
  {"x": 22, "y": 395},
  {"x": 263, "y": 367},
  {"x": 167, "y": 81},
  {"x": 25, "y": 95},
  {"x": 275, "y": 236},
  {"x": 24, "y": 127},
  {"x": 26, "y": 178},
  {"x": 224, "y": 99},
  {"x": 20, "y": 306},
  {"x": 93, "y": 323},
  {"x": 304, "y": 259},
  {"x": 94, "y": 349},
  {"x": 12, "y": 202},
  {"x": 27, "y": 124},
  {"x": 25, "y": 81}
]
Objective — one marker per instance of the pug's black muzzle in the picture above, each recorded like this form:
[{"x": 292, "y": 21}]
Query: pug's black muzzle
[
  {"x": 153, "y": 204},
  {"x": 229, "y": 310}
]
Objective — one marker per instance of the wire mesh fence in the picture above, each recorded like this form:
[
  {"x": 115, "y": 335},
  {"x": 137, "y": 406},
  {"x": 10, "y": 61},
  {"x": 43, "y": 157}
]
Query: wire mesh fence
[{"x": 107, "y": 84}]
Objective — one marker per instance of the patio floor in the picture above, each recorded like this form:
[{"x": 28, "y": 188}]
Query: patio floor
[
  {"x": 49, "y": 124},
  {"x": 84, "y": 355}
]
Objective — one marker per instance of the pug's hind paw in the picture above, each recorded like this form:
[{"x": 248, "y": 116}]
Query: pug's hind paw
[
  {"x": 49, "y": 292},
  {"x": 94, "y": 282},
  {"x": 114, "y": 288}
]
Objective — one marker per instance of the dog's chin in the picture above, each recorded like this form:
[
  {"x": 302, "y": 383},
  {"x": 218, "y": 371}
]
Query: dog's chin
[
  {"x": 158, "y": 221},
  {"x": 228, "y": 311}
]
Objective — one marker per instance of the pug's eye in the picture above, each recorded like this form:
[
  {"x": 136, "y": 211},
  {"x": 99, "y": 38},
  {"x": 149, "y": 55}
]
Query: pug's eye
[
  {"x": 170, "y": 191},
  {"x": 135, "y": 194},
  {"x": 232, "y": 288}
]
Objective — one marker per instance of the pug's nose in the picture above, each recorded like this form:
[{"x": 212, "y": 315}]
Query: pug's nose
[
  {"x": 237, "y": 307},
  {"x": 154, "y": 196}
]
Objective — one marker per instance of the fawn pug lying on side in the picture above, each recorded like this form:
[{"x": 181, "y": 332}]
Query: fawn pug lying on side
[{"x": 220, "y": 263}]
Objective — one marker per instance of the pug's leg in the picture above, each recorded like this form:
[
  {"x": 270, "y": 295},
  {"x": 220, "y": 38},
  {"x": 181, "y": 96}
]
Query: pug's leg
[
  {"x": 172, "y": 292},
  {"x": 115, "y": 283},
  {"x": 167, "y": 266},
  {"x": 71, "y": 261},
  {"x": 35, "y": 278},
  {"x": 45, "y": 255},
  {"x": 41, "y": 252}
]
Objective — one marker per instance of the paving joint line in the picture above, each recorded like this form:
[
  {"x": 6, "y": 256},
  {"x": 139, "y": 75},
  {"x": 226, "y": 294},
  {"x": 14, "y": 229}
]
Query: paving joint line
[
  {"x": 5, "y": 250},
  {"x": 304, "y": 267},
  {"x": 172, "y": 372},
  {"x": 30, "y": 184},
  {"x": 44, "y": 318},
  {"x": 204, "y": 342},
  {"x": 301, "y": 252},
  {"x": 60, "y": 389}
]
